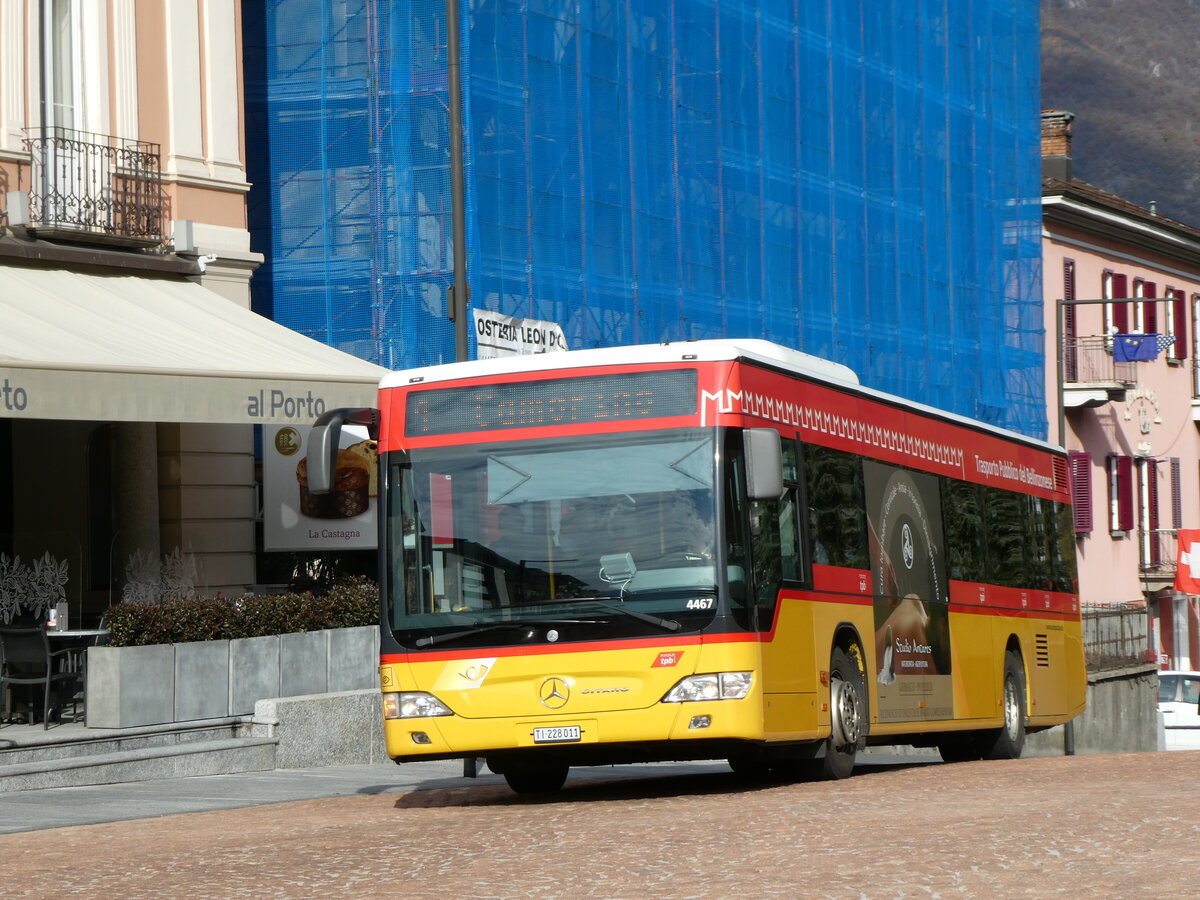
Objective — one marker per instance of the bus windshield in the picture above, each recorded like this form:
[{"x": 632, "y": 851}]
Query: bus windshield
[{"x": 592, "y": 538}]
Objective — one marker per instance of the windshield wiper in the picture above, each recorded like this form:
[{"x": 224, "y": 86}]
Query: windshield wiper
[
  {"x": 481, "y": 627},
  {"x": 665, "y": 624}
]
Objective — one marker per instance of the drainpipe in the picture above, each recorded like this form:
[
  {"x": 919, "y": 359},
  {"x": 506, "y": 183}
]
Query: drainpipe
[
  {"x": 45, "y": 106},
  {"x": 459, "y": 294}
]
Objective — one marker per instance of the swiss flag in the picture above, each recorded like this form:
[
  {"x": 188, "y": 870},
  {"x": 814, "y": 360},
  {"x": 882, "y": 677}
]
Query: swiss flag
[{"x": 1187, "y": 573}]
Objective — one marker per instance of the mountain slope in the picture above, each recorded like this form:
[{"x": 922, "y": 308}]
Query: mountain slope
[{"x": 1128, "y": 69}]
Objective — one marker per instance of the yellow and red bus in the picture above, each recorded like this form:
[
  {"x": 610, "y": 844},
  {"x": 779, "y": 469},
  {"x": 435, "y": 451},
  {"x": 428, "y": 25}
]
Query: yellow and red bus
[{"x": 709, "y": 550}]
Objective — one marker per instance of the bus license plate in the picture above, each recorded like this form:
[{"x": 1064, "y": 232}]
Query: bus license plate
[{"x": 560, "y": 734}]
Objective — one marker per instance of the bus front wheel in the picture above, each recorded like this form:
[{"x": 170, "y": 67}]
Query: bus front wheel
[
  {"x": 544, "y": 779},
  {"x": 847, "y": 713}
]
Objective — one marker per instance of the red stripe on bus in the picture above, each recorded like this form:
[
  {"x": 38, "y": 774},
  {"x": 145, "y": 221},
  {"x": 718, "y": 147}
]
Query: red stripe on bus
[{"x": 554, "y": 649}]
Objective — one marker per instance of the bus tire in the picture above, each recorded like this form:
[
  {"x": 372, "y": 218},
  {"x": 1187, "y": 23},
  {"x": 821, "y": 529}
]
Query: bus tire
[
  {"x": 747, "y": 766},
  {"x": 544, "y": 779},
  {"x": 847, "y": 714},
  {"x": 1009, "y": 741},
  {"x": 961, "y": 747}
]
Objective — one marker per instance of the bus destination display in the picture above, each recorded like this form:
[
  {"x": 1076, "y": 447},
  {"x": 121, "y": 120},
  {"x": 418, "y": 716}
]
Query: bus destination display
[{"x": 556, "y": 401}]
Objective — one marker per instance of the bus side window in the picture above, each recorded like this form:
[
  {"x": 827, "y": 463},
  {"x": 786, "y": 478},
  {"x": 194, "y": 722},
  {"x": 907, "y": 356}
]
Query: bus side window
[
  {"x": 406, "y": 570},
  {"x": 775, "y": 536},
  {"x": 962, "y": 515},
  {"x": 1065, "y": 575},
  {"x": 1005, "y": 522},
  {"x": 837, "y": 508},
  {"x": 791, "y": 562},
  {"x": 766, "y": 559},
  {"x": 736, "y": 522}
]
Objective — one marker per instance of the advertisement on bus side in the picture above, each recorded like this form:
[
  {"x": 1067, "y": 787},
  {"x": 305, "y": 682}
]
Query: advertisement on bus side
[{"x": 912, "y": 622}]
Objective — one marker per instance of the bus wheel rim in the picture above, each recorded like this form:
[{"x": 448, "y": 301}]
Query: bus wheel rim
[
  {"x": 1012, "y": 708},
  {"x": 846, "y": 724}
]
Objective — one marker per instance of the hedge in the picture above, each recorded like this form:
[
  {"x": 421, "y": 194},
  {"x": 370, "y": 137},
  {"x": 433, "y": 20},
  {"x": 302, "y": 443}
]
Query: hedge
[{"x": 347, "y": 605}]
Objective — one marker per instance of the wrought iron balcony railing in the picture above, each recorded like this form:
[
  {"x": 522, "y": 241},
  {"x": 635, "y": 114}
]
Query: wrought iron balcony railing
[
  {"x": 1089, "y": 360},
  {"x": 95, "y": 187},
  {"x": 1159, "y": 552}
]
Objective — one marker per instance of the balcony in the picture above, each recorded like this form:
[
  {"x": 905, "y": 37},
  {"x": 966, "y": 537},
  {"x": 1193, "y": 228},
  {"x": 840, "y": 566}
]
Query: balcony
[
  {"x": 95, "y": 188},
  {"x": 1159, "y": 557},
  {"x": 1091, "y": 377}
]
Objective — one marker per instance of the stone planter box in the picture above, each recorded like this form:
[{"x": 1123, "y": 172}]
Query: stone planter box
[{"x": 165, "y": 683}]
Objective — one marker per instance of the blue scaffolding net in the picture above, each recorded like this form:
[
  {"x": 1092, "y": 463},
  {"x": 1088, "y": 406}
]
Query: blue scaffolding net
[{"x": 858, "y": 179}]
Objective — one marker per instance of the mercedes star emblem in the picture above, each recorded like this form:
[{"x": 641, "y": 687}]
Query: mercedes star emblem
[{"x": 554, "y": 693}]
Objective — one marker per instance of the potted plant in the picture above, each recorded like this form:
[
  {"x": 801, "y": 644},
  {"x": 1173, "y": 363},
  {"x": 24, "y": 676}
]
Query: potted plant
[{"x": 196, "y": 658}]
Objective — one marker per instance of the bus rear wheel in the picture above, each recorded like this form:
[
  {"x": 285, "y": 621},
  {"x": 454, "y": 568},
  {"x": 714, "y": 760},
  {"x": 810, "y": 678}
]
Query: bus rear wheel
[
  {"x": 847, "y": 714},
  {"x": 1006, "y": 742},
  {"x": 1009, "y": 741}
]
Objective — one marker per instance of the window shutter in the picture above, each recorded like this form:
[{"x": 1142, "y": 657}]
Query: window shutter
[
  {"x": 1150, "y": 472},
  {"x": 1176, "y": 493},
  {"x": 1152, "y": 494},
  {"x": 1069, "y": 348},
  {"x": 1179, "y": 350},
  {"x": 1081, "y": 490},
  {"x": 1120, "y": 312}
]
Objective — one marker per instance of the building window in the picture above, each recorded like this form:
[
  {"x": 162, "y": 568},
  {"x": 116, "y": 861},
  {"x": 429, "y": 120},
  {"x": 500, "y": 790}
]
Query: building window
[
  {"x": 1120, "y": 495},
  {"x": 62, "y": 63},
  {"x": 1175, "y": 310},
  {"x": 1148, "y": 511},
  {"x": 1116, "y": 315},
  {"x": 1145, "y": 315}
]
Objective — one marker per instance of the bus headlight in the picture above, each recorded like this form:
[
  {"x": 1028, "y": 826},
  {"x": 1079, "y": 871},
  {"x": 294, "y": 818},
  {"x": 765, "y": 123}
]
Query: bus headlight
[
  {"x": 717, "y": 686},
  {"x": 414, "y": 705}
]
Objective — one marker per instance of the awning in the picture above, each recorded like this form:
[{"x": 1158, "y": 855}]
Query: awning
[{"x": 137, "y": 349}]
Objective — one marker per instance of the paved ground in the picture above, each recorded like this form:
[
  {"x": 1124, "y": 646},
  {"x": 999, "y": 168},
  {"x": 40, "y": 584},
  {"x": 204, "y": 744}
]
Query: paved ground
[{"x": 1094, "y": 826}]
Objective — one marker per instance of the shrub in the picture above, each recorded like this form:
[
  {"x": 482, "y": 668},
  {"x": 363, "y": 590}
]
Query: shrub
[{"x": 352, "y": 603}]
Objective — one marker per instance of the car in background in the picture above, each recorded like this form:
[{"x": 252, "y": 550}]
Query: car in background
[{"x": 1179, "y": 704}]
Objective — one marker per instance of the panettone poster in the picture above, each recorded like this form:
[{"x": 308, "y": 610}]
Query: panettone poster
[{"x": 293, "y": 518}]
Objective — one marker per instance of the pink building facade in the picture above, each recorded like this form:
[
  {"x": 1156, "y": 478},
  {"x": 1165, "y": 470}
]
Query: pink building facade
[{"x": 1123, "y": 281}]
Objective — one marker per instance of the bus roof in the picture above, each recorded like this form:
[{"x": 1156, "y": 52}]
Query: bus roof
[
  {"x": 675, "y": 351},
  {"x": 765, "y": 352}
]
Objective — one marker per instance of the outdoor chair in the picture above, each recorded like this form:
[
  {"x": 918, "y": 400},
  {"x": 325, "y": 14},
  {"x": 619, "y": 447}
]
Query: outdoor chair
[{"x": 26, "y": 659}]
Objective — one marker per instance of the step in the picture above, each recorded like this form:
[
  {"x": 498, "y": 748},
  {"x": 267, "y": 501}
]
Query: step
[
  {"x": 34, "y": 745},
  {"x": 190, "y": 757}
]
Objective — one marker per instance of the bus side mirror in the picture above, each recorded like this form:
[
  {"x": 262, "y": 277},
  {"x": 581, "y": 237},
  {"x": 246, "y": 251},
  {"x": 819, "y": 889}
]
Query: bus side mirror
[
  {"x": 764, "y": 463},
  {"x": 323, "y": 443}
]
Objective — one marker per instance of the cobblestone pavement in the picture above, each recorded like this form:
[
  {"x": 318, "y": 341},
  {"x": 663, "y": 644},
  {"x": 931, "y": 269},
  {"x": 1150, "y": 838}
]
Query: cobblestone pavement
[{"x": 1096, "y": 826}]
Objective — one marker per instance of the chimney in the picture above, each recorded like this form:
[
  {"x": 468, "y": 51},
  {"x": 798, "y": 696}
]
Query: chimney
[{"x": 1056, "y": 144}]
